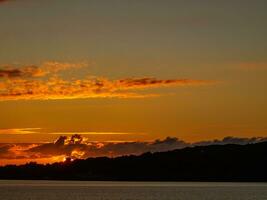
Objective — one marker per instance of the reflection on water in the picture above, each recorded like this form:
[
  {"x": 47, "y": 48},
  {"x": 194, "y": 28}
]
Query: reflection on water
[{"x": 81, "y": 190}]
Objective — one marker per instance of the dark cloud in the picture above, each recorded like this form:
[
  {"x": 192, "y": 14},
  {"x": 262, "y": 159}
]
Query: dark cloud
[
  {"x": 10, "y": 73},
  {"x": 153, "y": 82},
  {"x": 44, "y": 69},
  {"x": 126, "y": 148},
  {"x": 14, "y": 151},
  {"x": 22, "y": 72},
  {"x": 232, "y": 140},
  {"x": 77, "y": 146},
  {"x": 4, "y": 149}
]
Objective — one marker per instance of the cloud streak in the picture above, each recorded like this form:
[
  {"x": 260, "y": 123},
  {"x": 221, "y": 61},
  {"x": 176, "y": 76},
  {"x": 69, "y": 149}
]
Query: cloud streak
[
  {"x": 19, "y": 131},
  {"x": 44, "y": 82}
]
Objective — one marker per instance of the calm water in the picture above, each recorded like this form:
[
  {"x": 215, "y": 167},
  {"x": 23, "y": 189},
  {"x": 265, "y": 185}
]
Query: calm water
[{"x": 77, "y": 190}]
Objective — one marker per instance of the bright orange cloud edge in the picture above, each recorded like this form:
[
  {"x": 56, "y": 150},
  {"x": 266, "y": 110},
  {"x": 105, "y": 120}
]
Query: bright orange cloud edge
[{"x": 43, "y": 82}]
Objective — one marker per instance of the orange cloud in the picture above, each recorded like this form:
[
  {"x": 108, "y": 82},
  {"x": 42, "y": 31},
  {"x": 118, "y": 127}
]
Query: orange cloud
[
  {"x": 31, "y": 71},
  {"x": 32, "y": 82},
  {"x": 19, "y": 131},
  {"x": 57, "y": 88},
  {"x": 139, "y": 83}
]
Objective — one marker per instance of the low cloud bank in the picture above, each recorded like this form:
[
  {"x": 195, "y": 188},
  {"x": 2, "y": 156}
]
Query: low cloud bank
[{"x": 76, "y": 146}]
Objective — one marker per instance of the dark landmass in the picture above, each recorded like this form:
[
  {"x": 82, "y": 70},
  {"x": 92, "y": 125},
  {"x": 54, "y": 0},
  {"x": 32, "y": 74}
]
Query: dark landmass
[{"x": 202, "y": 163}]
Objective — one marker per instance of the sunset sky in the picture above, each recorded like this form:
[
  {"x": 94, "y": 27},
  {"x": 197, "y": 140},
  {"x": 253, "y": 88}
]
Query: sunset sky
[{"x": 117, "y": 71}]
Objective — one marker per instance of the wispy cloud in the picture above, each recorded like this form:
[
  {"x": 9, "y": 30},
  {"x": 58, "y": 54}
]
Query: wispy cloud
[
  {"x": 25, "y": 131},
  {"x": 43, "y": 82},
  {"x": 19, "y": 131},
  {"x": 32, "y": 71},
  {"x": 91, "y": 133}
]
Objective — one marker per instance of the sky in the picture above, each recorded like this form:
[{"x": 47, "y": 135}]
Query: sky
[{"x": 121, "y": 71}]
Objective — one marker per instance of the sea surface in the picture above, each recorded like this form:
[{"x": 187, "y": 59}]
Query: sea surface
[{"x": 81, "y": 190}]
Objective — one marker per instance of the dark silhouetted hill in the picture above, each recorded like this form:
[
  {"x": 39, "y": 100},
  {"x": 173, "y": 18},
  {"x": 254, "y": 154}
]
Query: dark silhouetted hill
[{"x": 202, "y": 163}]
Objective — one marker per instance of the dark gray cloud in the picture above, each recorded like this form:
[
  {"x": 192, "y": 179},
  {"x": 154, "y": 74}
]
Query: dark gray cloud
[
  {"x": 232, "y": 140},
  {"x": 4, "y": 149},
  {"x": 76, "y": 146},
  {"x": 22, "y": 72},
  {"x": 126, "y": 148},
  {"x": 10, "y": 73}
]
